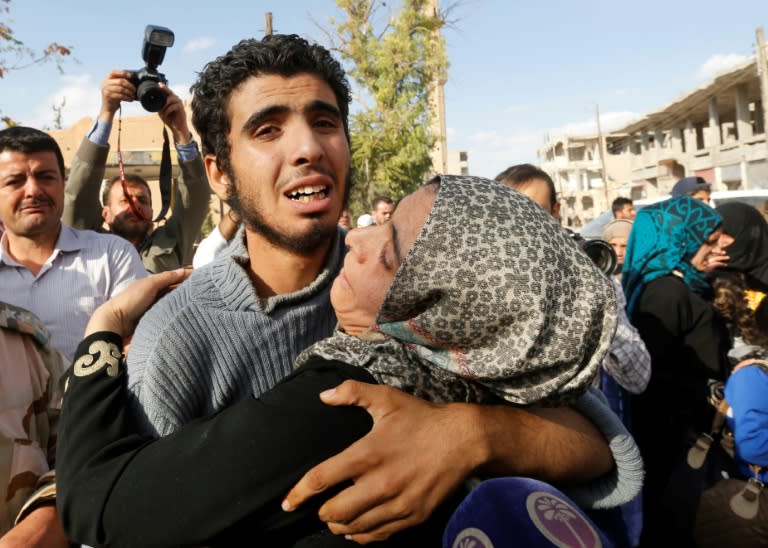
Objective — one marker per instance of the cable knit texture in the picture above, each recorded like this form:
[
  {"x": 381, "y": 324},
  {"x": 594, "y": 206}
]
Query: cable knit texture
[{"x": 212, "y": 341}]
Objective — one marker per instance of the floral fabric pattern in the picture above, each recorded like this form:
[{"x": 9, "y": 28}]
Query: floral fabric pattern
[{"x": 493, "y": 302}]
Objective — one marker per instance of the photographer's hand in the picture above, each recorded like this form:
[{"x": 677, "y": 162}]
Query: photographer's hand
[
  {"x": 174, "y": 116},
  {"x": 115, "y": 88}
]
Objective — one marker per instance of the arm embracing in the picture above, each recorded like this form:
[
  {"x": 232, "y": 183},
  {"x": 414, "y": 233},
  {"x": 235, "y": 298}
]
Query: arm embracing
[{"x": 443, "y": 445}]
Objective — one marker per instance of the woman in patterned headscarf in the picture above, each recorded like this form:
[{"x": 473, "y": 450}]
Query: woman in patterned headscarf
[
  {"x": 665, "y": 283},
  {"x": 470, "y": 293}
]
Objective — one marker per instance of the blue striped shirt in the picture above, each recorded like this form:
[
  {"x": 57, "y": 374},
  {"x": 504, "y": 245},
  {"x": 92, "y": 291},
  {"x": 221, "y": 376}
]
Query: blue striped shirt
[{"x": 84, "y": 270}]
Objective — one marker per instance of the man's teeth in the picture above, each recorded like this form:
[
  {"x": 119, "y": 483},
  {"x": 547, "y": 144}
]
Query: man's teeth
[{"x": 307, "y": 194}]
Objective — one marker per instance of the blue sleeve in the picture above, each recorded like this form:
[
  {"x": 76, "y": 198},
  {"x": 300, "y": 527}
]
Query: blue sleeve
[
  {"x": 99, "y": 133},
  {"x": 187, "y": 152},
  {"x": 747, "y": 393}
]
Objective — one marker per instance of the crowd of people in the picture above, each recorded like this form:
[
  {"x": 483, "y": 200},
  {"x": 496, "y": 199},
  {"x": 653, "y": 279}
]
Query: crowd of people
[{"x": 454, "y": 364}]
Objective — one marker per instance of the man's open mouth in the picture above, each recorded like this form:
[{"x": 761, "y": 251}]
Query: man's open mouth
[{"x": 309, "y": 193}]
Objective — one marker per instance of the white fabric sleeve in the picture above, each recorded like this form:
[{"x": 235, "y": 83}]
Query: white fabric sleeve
[{"x": 209, "y": 248}]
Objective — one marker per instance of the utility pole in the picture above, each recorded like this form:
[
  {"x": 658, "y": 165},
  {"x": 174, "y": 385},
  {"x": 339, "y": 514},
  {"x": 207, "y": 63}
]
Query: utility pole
[
  {"x": 601, "y": 146},
  {"x": 268, "y": 17},
  {"x": 437, "y": 106},
  {"x": 762, "y": 71}
]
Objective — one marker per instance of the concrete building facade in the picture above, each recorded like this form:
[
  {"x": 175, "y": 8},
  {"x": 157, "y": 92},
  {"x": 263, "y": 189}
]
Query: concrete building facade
[
  {"x": 576, "y": 166},
  {"x": 717, "y": 131}
]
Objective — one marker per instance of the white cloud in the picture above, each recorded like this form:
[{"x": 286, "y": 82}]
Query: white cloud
[
  {"x": 198, "y": 44},
  {"x": 181, "y": 89},
  {"x": 490, "y": 152},
  {"x": 719, "y": 63},
  {"x": 80, "y": 96}
]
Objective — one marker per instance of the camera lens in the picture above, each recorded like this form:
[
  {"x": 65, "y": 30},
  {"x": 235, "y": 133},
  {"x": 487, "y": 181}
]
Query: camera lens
[
  {"x": 602, "y": 255},
  {"x": 150, "y": 95}
]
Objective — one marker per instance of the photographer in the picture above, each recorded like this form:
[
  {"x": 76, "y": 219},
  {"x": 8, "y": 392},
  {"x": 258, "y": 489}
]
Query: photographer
[{"x": 168, "y": 246}]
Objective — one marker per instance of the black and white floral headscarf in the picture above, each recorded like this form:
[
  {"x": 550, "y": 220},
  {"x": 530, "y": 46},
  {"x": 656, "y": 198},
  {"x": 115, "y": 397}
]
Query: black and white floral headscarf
[{"x": 493, "y": 301}]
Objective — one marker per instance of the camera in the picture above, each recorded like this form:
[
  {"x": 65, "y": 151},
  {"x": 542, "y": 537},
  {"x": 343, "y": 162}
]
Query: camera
[
  {"x": 147, "y": 79},
  {"x": 600, "y": 251}
]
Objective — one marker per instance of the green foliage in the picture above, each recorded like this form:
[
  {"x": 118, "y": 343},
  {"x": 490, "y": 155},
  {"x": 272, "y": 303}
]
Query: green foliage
[{"x": 394, "y": 68}]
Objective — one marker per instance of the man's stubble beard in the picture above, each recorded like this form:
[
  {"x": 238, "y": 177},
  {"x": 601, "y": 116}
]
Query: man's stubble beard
[
  {"x": 127, "y": 230},
  {"x": 303, "y": 245}
]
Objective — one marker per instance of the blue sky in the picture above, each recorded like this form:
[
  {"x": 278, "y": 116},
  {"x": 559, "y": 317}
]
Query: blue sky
[{"x": 520, "y": 69}]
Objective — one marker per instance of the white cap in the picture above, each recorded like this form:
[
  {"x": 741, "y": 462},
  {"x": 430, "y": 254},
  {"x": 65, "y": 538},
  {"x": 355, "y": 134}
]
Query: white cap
[{"x": 364, "y": 220}]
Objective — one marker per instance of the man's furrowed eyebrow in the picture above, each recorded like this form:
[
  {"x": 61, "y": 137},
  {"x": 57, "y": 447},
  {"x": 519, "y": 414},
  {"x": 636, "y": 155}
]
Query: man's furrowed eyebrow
[
  {"x": 255, "y": 119},
  {"x": 46, "y": 171},
  {"x": 322, "y": 106}
]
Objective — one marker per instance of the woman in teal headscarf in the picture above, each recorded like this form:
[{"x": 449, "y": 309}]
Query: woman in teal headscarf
[
  {"x": 666, "y": 286},
  {"x": 664, "y": 241}
]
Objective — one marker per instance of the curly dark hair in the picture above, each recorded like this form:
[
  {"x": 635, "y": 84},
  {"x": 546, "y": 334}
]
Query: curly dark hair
[
  {"x": 280, "y": 54},
  {"x": 729, "y": 289}
]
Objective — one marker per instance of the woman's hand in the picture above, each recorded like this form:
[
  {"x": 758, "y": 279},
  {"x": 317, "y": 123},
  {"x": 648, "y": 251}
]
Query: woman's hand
[{"x": 121, "y": 313}]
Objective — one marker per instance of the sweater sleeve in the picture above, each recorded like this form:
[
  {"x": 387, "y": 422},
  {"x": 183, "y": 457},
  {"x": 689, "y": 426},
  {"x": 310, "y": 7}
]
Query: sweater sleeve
[
  {"x": 162, "y": 369},
  {"x": 625, "y": 481}
]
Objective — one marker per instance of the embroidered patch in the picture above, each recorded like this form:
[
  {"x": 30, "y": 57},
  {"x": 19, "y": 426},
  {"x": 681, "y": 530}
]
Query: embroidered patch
[
  {"x": 559, "y": 521},
  {"x": 471, "y": 537},
  {"x": 100, "y": 354}
]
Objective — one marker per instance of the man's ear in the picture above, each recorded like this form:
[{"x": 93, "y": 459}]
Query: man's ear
[
  {"x": 217, "y": 179},
  {"x": 556, "y": 211},
  {"x": 104, "y": 213}
]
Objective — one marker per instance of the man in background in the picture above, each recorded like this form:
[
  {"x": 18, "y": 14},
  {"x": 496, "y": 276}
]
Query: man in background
[
  {"x": 696, "y": 187},
  {"x": 623, "y": 208},
  {"x": 58, "y": 273},
  {"x": 86, "y": 206},
  {"x": 382, "y": 209},
  {"x": 345, "y": 220}
]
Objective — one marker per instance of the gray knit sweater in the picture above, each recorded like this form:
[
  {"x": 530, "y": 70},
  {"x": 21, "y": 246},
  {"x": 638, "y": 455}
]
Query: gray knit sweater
[{"x": 212, "y": 341}]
